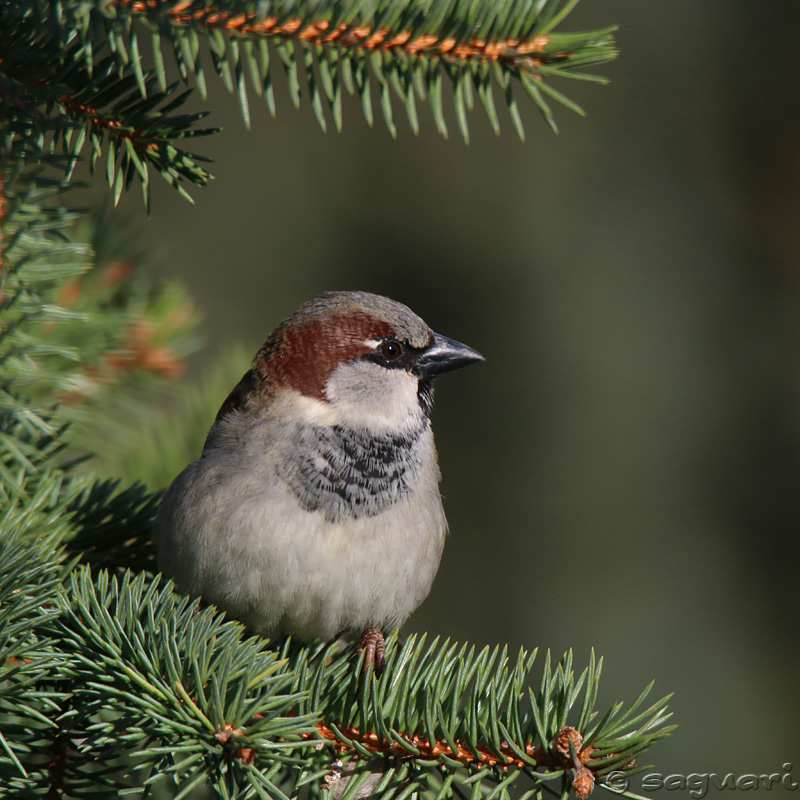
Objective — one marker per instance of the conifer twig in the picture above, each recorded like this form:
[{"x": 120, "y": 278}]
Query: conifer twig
[
  {"x": 360, "y": 37},
  {"x": 397, "y": 48},
  {"x": 108, "y": 123}
]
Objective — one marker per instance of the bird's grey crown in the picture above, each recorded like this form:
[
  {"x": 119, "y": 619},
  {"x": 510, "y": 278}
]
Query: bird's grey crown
[
  {"x": 348, "y": 474},
  {"x": 407, "y": 325}
]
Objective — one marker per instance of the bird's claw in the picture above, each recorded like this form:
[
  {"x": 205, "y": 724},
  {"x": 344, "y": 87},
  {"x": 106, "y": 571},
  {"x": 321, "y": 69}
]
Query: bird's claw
[{"x": 374, "y": 648}]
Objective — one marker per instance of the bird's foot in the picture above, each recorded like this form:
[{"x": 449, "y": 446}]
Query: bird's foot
[{"x": 374, "y": 648}]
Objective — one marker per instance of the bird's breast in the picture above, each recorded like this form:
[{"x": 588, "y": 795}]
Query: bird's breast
[{"x": 348, "y": 474}]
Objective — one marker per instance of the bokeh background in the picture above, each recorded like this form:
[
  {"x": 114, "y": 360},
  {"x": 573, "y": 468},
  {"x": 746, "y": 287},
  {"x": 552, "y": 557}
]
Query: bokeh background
[{"x": 623, "y": 472}]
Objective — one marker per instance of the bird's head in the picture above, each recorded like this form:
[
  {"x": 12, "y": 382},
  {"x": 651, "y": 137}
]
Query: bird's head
[{"x": 353, "y": 358}]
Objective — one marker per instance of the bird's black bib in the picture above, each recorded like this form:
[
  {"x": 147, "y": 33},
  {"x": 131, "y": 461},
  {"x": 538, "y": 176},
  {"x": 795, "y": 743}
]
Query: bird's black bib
[{"x": 348, "y": 474}]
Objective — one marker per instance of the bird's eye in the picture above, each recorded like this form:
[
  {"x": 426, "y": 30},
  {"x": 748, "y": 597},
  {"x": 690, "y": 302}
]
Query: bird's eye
[{"x": 391, "y": 350}]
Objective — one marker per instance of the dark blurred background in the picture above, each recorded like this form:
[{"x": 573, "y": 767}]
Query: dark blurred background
[{"x": 624, "y": 471}]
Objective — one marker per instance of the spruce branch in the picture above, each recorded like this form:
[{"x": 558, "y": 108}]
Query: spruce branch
[
  {"x": 138, "y": 132},
  {"x": 402, "y": 50},
  {"x": 160, "y": 689},
  {"x": 32, "y": 666},
  {"x": 72, "y": 74},
  {"x": 58, "y": 94},
  {"x": 111, "y": 526},
  {"x": 138, "y": 142}
]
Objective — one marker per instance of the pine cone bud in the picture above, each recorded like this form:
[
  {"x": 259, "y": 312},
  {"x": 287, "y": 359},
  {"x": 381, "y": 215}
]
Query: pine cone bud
[
  {"x": 247, "y": 755},
  {"x": 583, "y": 782},
  {"x": 564, "y": 737}
]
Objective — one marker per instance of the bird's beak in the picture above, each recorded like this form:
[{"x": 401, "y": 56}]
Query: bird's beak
[{"x": 445, "y": 355}]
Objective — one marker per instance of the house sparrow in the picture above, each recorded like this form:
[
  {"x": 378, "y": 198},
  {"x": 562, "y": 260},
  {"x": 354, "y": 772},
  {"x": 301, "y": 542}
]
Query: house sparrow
[{"x": 314, "y": 509}]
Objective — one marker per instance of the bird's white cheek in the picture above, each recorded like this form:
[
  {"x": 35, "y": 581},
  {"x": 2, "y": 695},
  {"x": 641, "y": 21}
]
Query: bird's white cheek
[{"x": 369, "y": 395}]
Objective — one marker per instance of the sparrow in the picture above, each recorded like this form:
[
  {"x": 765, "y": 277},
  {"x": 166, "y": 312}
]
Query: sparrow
[{"x": 314, "y": 509}]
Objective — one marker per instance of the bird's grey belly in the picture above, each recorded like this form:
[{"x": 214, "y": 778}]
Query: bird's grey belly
[{"x": 354, "y": 574}]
